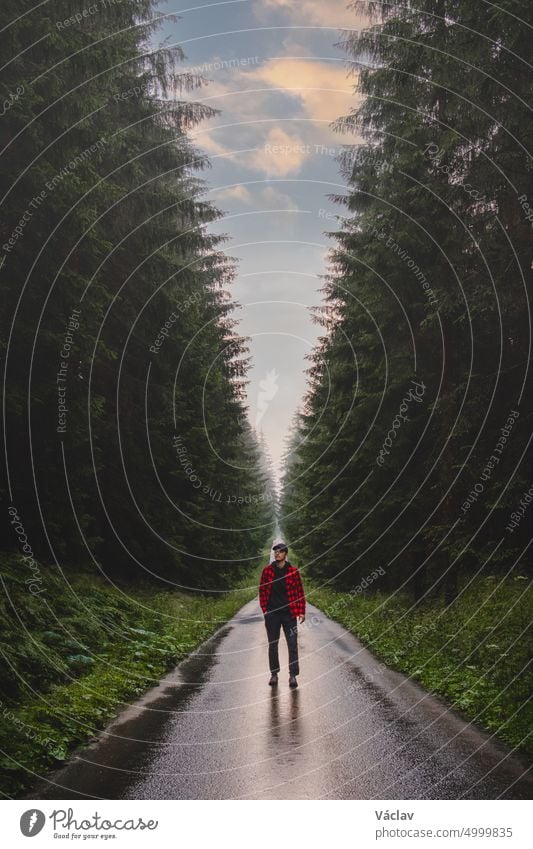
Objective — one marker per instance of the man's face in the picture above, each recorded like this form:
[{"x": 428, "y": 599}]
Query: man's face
[{"x": 280, "y": 556}]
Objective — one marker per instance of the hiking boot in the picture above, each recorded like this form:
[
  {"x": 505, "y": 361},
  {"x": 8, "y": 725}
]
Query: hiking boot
[
  {"x": 292, "y": 681},
  {"x": 273, "y": 679}
]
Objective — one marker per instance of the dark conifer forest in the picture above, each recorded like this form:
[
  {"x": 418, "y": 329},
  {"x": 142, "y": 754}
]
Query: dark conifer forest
[
  {"x": 412, "y": 451},
  {"x": 127, "y": 441}
]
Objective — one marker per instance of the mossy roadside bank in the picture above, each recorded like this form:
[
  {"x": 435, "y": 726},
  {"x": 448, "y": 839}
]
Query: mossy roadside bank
[
  {"x": 73, "y": 655},
  {"x": 475, "y": 653}
]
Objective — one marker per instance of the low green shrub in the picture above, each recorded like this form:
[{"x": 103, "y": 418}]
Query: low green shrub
[
  {"x": 475, "y": 652},
  {"x": 76, "y": 651}
]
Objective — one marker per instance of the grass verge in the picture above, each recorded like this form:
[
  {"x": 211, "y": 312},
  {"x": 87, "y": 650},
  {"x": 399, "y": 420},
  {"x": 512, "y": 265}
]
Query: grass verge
[
  {"x": 476, "y": 652},
  {"x": 74, "y": 653}
]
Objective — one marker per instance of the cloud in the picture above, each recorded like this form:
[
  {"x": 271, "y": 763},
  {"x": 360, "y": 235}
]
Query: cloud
[
  {"x": 324, "y": 89},
  {"x": 274, "y": 199},
  {"x": 290, "y": 89},
  {"x": 239, "y": 193},
  {"x": 293, "y": 89},
  {"x": 204, "y": 139},
  {"x": 281, "y": 154},
  {"x": 326, "y": 13}
]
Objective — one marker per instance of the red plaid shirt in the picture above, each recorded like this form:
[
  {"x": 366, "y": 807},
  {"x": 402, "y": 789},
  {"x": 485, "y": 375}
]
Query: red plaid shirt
[{"x": 295, "y": 590}]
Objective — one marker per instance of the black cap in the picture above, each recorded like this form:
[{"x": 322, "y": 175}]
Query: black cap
[{"x": 280, "y": 546}]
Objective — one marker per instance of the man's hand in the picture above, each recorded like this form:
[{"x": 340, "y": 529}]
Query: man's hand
[{"x": 302, "y": 619}]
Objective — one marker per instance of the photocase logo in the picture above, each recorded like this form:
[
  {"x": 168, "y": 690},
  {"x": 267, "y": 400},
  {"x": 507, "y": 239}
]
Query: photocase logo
[
  {"x": 32, "y": 822},
  {"x": 268, "y": 388}
]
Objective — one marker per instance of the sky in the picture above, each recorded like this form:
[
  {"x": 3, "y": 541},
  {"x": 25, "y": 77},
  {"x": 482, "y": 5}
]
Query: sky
[{"x": 279, "y": 81}]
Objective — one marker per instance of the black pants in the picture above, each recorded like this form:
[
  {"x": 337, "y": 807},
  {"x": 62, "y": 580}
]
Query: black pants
[{"x": 274, "y": 621}]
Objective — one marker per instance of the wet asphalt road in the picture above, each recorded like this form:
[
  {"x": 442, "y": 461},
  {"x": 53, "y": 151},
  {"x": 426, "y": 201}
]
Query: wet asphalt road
[{"x": 214, "y": 729}]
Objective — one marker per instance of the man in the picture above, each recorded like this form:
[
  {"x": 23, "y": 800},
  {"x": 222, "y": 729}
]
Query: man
[{"x": 282, "y": 600}]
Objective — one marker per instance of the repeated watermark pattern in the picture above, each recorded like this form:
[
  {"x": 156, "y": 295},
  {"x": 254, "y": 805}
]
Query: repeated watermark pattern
[
  {"x": 9, "y": 101},
  {"x": 61, "y": 376},
  {"x": 195, "y": 480},
  {"x": 26, "y": 216},
  {"x": 303, "y": 149},
  {"x": 35, "y": 582},
  {"x": 518, "y": 514},
  {"x": 85, "y": 13},
  {"x": 207, "y": 489},
  {"x": 359, "y": 588},
  {"x": 419, "y": 632},
  {"x": 491, "y": 463},
  {"x": 436, "y": 155},
  {"x": 234, "y": 64},
  {"x": 51, "y": 184},
  {"x": 526, "y": 208},
  {"x": 182, "y": 306},
  {"x": 389, "y": 242},
  {"x": 344, "y": 600},
  {"x": 401, "y": 416},
  {"x": 141, "y": 90},
  {"x": 57, "y": 749},
  {"x": 327, "y": 215}
]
